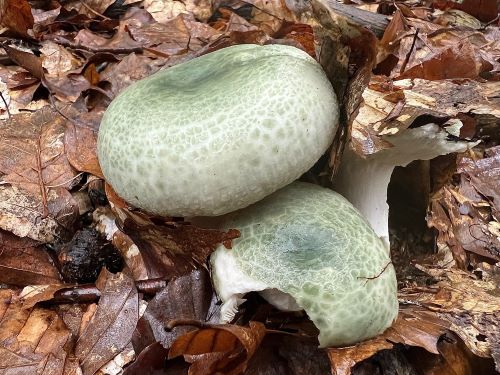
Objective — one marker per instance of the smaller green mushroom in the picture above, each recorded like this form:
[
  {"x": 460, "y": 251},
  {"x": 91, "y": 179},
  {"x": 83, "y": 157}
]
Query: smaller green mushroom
[{"x": 306, "y": 247}]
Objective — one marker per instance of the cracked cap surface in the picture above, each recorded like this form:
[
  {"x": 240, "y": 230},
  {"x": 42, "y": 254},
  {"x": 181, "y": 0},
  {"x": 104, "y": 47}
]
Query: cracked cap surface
[
  {"x": 311, "y": 243},
  {"x": 219, "y": 132}
]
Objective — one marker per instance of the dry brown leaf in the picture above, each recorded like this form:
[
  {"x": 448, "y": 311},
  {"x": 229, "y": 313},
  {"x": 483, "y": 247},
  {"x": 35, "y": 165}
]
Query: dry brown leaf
[
  {"x": 219, "y": 348},
  {"x": 177, "y": 36},
  {"x": 230, "y": 21},
  {"x": 301, "y": 34},
  {"x": 57, "y": 60},
  {"x": 466, "y": 214},
  {"x": 186, "y": 298},
  {"x": 121, "y": 42},
  {"x": 268, "y": 16},
  {"x": 165, "y": 10},
  {"x": 24, "y": 262},
  {"x": 35, "y": 201},
  {"x": 27, "y": 60},
  {"x": 460, "y": 61},
  {"x": 32, "y": 152},
  {"x": 113, "y": 322},
  {"x": 415, "y": 48},
  {"x": 130, "y": 69},
  {"x": 455, "y": 17},
  {"x": 484, "y": 10},
  {"x": 390, "y": 107},
  {"x": 397, "y": 27},
  {"x": 33, "y": 294},
  {"x": 90, "y": 8},
  {"x": 33, "y": 341},
  {"x": 16, "y": 16},
  {"x": 483, "y": 175},
  {"x": 23, "y": 214},
  {"x": 471, "y": 306},
  {"x": 413, "y": 327},
  {"x": 60, "y": 77},
  {"x": 18, "y": 87},
  {"x": 43, "y": 18},
  {"x": 173, "y": 249},
  {"x": 119, "y": 362},
  {"x": 81, "y": 149}
]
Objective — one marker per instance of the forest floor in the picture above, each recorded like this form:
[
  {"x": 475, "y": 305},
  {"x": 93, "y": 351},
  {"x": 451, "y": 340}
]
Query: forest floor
[{"x": 91, "y": 286}]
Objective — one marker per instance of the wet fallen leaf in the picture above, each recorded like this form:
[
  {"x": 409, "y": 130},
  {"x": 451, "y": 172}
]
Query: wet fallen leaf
[
  {"x": 33, "y": 294},
  {"x": 36, "y": 202},
  {"x": 230, "y": 21},
  {"x": 43, "y": 18},
  {"x": 413, "y": 327},
  {"x": 164, "y": 10},
  {"x": 179, "y": 35},
  {"x": 171, "y": 304},
  {"x": 485, "y": 10},
  {"x": 33, "y": 340},
  {"x": 87, "y": 52},
  {"x": 391, "y": 107},
  {"x": 130, "y": 69},
  {"x": 173, "y": 249},
  {"x": 16, "y": 16},
  {"x": 465, "y": 215},
  {"x": 27, "y": 60},
  {"x": 114, "y": 321},
  {"x": 469, "y": 304},
  {"x": 24, "y": 262},
  {"x": 218, "y": 348},
  {"x": 81, "y": 149},
  {"x": 90, "y": 8}
]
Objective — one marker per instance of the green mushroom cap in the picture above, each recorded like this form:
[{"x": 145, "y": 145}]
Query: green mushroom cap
[
  {"x": 311, "y": 245},
  {"x": 219, "y": 132}
]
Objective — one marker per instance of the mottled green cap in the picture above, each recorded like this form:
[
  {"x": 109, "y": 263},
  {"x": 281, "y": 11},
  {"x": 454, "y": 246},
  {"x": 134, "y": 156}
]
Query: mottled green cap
[
  {"x": 311, "y": 243},
  {"x": 219, "y": 132}
]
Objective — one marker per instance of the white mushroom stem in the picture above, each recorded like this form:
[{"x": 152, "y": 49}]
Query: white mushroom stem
[{"x": 364, "y": 181}]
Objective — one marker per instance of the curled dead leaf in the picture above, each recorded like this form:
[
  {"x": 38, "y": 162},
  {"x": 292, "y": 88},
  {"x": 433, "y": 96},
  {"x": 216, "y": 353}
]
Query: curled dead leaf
[{"x": 219, "y": 348}]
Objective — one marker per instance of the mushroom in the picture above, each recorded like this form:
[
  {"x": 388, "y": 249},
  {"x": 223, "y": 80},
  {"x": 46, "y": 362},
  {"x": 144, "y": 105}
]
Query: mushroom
[
  {"x": 219, "y": 132},
  {"x": 364, "y": 181},
  {"x": 306, "y": 247}
]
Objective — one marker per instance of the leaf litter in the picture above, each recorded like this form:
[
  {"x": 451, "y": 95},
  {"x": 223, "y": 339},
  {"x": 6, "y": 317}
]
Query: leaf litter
[{"x": 61, "y": 63}]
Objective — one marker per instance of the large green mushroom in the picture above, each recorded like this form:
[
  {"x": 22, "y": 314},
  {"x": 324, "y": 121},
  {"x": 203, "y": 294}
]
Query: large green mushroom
[
  {"x": 306, "y": 247},
  {"x": 229, "y": 129},
  {"x": 219, "y": 132}
]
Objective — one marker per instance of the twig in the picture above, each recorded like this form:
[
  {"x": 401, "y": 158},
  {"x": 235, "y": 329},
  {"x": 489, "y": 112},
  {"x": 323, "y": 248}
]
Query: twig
[
  {"x": 6, "y": 105},
  {"x": 64, "y": 182},
  {"x": 378, "y": 275},
  {"x": 43, "y": 191},
  {"x": 66, "y": 43},
  {"x": 88, "y": 293},
  {"x": 94, "y": 11},
  {"x": 53, "y": 104},
  {"x": 171, "y": 324},
  {"x": 408, "y": 55}
]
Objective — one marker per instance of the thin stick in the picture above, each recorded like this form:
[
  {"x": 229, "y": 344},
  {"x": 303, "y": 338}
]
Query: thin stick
[
  {"x": 6, "y": 105},
  {"x": 378, "y": 275},
  {"x": 94, "y": 11},
  {"x": 43, "y": 190},
  {"x": 408, "y": 55}
]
